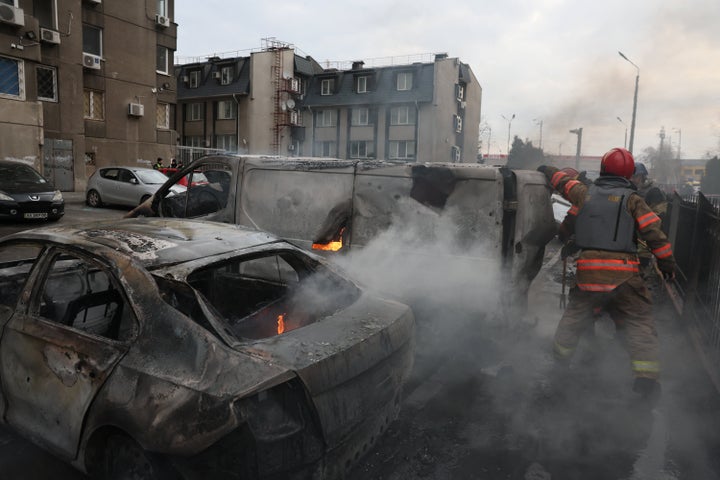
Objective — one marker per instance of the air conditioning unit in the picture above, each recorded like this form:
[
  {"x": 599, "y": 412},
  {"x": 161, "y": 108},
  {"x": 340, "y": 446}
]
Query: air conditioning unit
[
  {"x": 50, "y": 36},
  {"x": 463, "y": 104},
  {"x": 216, "y": 75},
  {"x": 12, "y": 15},
  {"x": 455, "y": 154},
  {"x": 185, "y": 78},
  {"x": 136, "y": 109},
  {"x": 293, "y": 117},
  {"x": 91, "y": 61},
  {"x": 162, "y": 20}
]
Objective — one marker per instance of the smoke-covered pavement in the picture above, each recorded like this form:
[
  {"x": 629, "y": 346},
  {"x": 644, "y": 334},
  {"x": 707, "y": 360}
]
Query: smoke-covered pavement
[{"x": 484, "y": 403}]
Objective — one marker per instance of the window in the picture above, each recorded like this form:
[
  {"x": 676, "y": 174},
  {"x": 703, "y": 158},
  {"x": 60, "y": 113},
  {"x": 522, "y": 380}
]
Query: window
[
  {"x": 326, "y": 86},
  {"x": 360, "y": 116},
  {"x": 226, "y": 109},
  {"x": 362, "y": 149},
  {"x": 402, "y": 149},
  {"x": 226, "y": 142},
  {"x": 194, "y": 141},
  {"x": 163, "y": 115},
  {"x": 194, "y": 78},
  {"x": 361, "y": 84},
  {"x": 162, "y": 9},
  {"x": 194, "y": 112},
  {"x": 15, "y": 264},
  {"x": 404, "y": 81},
  {"x": 94, "y": 108},
  {"x": 325, "y": 149},
  {"x": 460, "y": 92},
  {"x": 163, "y": 55},
  {"x": 325, "y": 118},
  {"x": 403, "y": 115},
  {"x": 12, "y": 79},
  {"x": 455, "y": 154},
  {"x": 82, "y": 295},
  {"x": 45, "y": 12},
  {"x": 92, "y": 40},
  {"x": 226, "y": 75},
  {"x": 457, "y": 123},
  {"x": 46, "y": 78}
]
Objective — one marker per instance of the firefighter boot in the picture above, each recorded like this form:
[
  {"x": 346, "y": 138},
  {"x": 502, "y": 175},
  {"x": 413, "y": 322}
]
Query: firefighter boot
[{"x": 649, "y": 390}]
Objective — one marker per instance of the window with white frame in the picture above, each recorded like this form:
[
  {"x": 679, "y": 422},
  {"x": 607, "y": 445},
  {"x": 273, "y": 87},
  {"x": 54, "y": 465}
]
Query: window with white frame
[
  {"x": 226, "y": 109},
  {"x": 360, "y": 116},
  {"x": 326, "y": 86},
  {"x": 460, "y": 92},
  {"x": 163, "y": 115},
  {"x": 455, "y": 153},
  {"x": 162, "y": 61},
  {"x": 194, "y": 141},
  {"x": 325, "y": 118},
  {"x": 226, "y": 75},
  {"x": 401, "y": 149},
  {"x": 226, "y": 142},
  {"x": 404, "y": 81},
  {"x": 325, "y": 149},
  {"x": 45, "y": 12},
  {"x": 162, "y": 8},
  {"x": 46, "y": 79},
  {"x": 94, "y": 105},
  {"x": 403, "y": 115},
  {"x": 457, "y": 123},
  {"x": 92, "y": 40},
  {"x": 194, "y": 112},
  {"x": 12, "y": 78},
  {"x": 194, "y": 78},
  {"x": 362, "y": 149},
  {"x": 361, "y": 84}
]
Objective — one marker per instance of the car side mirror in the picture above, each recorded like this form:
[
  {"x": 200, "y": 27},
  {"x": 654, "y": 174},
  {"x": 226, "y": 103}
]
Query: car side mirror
[{"x": 133, "y": 181}]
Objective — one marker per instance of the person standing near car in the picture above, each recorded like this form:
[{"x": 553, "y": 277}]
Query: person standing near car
[
  {"x": 173, "y": 163},
  {"x": 610, "y": 212},
  {"x": 159, "y": 164}
]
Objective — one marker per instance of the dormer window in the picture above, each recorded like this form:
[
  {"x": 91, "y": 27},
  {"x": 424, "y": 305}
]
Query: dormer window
[
  {"x": 361, "y": 84},
  {"x": 194, "y": 81},
  {"x": 226, "y": 75},
  {"x": 404, "y": 81},
  {"x": 326, "y": 86}
]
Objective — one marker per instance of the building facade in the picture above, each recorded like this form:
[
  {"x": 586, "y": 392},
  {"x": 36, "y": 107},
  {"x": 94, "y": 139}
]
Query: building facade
[
  {"x": 277, "y": 102},
  {"x": 86, "y": 83}
]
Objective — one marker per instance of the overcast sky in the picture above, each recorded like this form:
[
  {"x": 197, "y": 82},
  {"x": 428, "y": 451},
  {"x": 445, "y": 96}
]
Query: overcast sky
[{"x": 550, "y": 60}]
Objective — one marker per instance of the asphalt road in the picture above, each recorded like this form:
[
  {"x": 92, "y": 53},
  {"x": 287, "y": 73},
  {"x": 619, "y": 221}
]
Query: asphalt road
[{"x": 482, "y": 401}]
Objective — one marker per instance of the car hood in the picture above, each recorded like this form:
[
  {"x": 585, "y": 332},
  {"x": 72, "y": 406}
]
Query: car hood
[{"x": 20, "y": 188}]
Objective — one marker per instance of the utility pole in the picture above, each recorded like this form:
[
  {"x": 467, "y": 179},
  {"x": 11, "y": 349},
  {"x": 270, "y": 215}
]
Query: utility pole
[
  {"x": 578, "y": 132},
  {"x": 539, "y": 122},
  {"x": 509, "y": 120}
]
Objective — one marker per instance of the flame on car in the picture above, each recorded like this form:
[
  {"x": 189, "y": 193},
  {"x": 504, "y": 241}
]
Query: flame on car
[
  {"x": 281, "y": 323},
  {"x": 332, "y": 246}
]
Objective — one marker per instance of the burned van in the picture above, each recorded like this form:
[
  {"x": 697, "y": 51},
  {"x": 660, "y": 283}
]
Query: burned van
[{"x": 490, "y": 217}]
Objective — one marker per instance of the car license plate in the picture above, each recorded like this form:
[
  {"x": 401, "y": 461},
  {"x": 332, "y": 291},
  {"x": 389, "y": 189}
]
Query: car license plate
[{"x": 35, "y": 215}]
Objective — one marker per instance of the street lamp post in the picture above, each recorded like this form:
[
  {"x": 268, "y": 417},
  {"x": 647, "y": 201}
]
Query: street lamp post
[
  {"x": 489, "y": 137},
  {"x": 634, "y": 112},
  {"x": 625, "y": 142},
  {"x": 679, "y": 141},
  {"x": 509, "y": 123},
  {"x": 539, "y": 122}
]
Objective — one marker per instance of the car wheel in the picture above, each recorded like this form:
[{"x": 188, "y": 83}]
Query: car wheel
[
  {"x": 144, "y": 198},
  {"x": 93, "y": 199},
  {"x": 125, "y": 459}
]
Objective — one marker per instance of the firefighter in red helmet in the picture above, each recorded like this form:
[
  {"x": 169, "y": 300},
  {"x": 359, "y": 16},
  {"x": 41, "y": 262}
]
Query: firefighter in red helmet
[{"x": 610, "y": 214}]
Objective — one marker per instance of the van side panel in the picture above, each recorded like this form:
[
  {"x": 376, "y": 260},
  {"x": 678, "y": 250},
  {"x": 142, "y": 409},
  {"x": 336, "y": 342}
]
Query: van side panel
[{"x": 293, "y": 200}]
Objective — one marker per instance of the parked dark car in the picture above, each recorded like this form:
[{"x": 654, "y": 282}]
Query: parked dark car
[
  {"x": 25, "y": 194},
  {"x": 146, "y": 348},
  {"x": 128, "y": 186}
]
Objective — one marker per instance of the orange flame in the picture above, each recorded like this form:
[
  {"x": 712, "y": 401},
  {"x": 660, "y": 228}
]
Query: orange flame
[
  {"x": 281, "y": 323},
  {"x": 332, "y": 246}
]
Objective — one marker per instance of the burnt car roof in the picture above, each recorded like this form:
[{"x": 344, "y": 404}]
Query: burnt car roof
[{"x": 153, "y": 242}]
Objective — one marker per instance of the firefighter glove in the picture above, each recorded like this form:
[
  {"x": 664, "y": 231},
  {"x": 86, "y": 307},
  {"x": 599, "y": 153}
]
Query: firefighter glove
[
  {"x": 542, "y": 169},
  {"x": 667, "y": 269},
  {"x": 569, "y": 249}
]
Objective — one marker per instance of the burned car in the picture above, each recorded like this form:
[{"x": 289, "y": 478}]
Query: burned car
[{"x": 152, "y": 348}]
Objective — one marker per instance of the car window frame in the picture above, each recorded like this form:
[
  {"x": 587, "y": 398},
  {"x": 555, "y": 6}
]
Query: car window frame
[
  {"x": 23, "y": 301},
  {"x": 39, "y": 279}
]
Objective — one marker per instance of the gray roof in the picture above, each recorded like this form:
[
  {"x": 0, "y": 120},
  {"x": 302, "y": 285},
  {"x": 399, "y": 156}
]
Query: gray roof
[
  {"x": 210, "y": 86},
  {"x": 382, "y": 88}
]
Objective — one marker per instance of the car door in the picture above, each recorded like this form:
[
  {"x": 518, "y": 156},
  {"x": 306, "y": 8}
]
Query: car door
[
  {"x": 129, "y": 189},
  {"x": 56, "y": 353},
  {"x": 109, "y": 185}
]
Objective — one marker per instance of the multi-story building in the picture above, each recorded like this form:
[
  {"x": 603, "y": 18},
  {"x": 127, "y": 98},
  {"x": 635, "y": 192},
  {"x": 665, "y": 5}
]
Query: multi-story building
[
  {"x": 85, "y": 83},
  {"x": 277, "y": 102}
]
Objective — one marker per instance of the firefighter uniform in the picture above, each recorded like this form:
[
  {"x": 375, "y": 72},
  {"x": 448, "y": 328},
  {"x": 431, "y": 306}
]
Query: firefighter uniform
[{"x": 608, "y": 215}]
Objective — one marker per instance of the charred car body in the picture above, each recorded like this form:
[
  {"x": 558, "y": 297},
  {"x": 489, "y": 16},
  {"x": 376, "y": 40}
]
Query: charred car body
[
  {"x": 144, "y": 346},
  {"x": 331, "y": 204}
]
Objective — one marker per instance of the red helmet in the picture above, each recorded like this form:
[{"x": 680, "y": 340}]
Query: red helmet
[
  {"x": 569, "y": 171},
  {"x": 619, "y": 162}
]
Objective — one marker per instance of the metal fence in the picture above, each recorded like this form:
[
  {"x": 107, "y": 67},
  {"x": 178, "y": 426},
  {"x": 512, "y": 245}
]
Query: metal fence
[
  {"x": 693, "y": 228},
  {"x": 186, "y": 155}
]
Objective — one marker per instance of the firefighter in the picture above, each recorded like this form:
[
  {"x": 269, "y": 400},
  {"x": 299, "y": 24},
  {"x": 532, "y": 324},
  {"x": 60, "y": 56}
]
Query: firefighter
[
  {"x": 610, "y": 214},
  {"x": 657, "y": 201}
]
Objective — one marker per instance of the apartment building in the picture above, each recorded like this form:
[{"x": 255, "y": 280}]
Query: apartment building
[
  {"x": 274, "y": 101},
  {"x": 86, "y": 83}
]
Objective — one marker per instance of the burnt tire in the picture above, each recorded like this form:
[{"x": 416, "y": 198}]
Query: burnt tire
[
  {"x": 124, "y": 459},
  {"x": 93, "y": 199}
]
